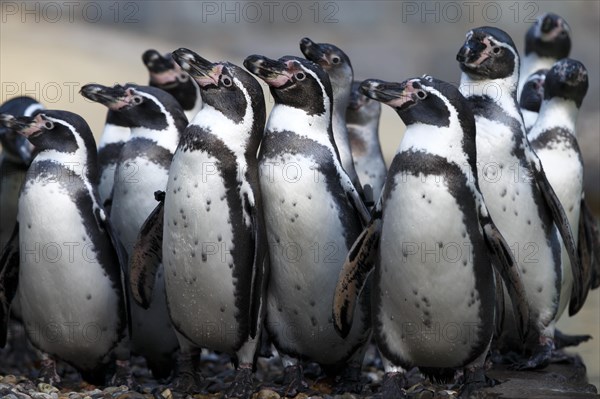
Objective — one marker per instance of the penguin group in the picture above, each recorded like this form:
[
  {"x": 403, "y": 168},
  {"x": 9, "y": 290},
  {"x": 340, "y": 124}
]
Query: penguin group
[{"x": 201, "y": 223}]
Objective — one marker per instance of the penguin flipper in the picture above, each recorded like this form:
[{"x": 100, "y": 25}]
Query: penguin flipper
[
  {"x": 104, "y": 223},
  {"x": 147, "y": 254},
  {"x": 356, "y": 269},
  {"x": 355, "y": 196},
  {"x": 578, "y": 294},
  {"x": 260, "y": 269},
  {"x": 499, "y": 319},
  {"x": 506, "y": 265},
  {"x": 591, "y": 230},
  {"x": 9, "y": 279},
  {"x": 585, "y": 252}
]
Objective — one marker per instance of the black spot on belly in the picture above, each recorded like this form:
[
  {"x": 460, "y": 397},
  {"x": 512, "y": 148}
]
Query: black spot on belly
[
  {"x": 219, "y": 238},
  {"x": 516, "y": 213},
  {"x": 523, "y": 271},
  {"x": 503, "y": 208},
  {"x": 417, "y": 305},
  {"x": 540, "y": 289},
  {"x": 528, "y": 221},
  {"x": 309, "y": 196},
  {"x": 296, "y": 312},
  {"x": 193, "y": 254},
  {"x": 429, "y": 201},
  {"x": 204, "y": 256},
  {"x": 175, "y": 178},
  {"x": 279, "y": 308},
  {"x": 181, "y": 211},
  {"x": 313, "y": 321},
  {"x": 83, "y": 238},
  {"x": 88, "y": 297},
  {"x": 208, "y": 209},
  {"x": 28, "y": 225},
  {"x": 222, "y": 309},
  {"x": 415, "y": 291},
  {"x": 464, "y": 263},
  {"x": 174, "y": 222},
  {"x": 312, "y": 303},
  {"x": 294, "y": 203},
  {"x": 283, "y": 200},
  {"x": 440, "y": 244},
  {"x": 504, "y": 192},
  {"x": 298, "y": 287}
]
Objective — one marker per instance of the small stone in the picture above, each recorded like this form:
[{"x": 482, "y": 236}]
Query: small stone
[
  {"x": 111, "y": 389},
  {"x": 46, "y": 388},
  {"x": 167, "y": 394},
  {"x": 266, "y": 394},
  {"x": 9, "y": 379},
  {"x": 131, "y": 395}
]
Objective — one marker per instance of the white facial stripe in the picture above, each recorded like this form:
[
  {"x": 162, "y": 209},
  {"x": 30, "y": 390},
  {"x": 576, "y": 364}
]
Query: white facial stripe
[{"x": 32, "y": 108}]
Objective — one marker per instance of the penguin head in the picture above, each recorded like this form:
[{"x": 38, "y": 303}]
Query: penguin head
[
  {"x": 334, "y": 61},
  {"x": 549, "y": 36},
  {"x": 140, "y": 106},
  {"x": 532, "y": 93},
  {"x": 423, "y": 100},
  {"x": 15, "y": 147},
  {"x": 488, "y": 53},
  {"x": 361, "y": 109},
  {"x": 61, "y": 132},
  {"x": 566, "y": 79},
  {"x": 295, "y": 82},
  {"x": 225, "y": 87},
  {"x": 166, "y": 74}
]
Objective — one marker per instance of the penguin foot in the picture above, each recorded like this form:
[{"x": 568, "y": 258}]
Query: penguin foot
[
  {"x": 475, "y": 379},
  {"x": 123, "y": 375},
  {"x": 392, "y": 386},
  {"x": 562, "y": 340},
  {"x": 350, "y": 381},
  {"x": 161, "y": 370},
  {"x": 187, "y": 382},
  {"x": 293, "y": 382},
  {"x": 243, "y": 384},
  {"x": 540, "y": 358},
  {"x": 48, "y": 372}
]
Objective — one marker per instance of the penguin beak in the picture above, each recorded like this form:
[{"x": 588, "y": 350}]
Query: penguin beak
[
  {"x": 551, "y": 26},
  {"x": 203, "y": 71},
  {"x": 115, "y": 98},
  {"x": 474, "y": 52},
  {"x": 164, "y": 72},
  {"x": 26, "y": 126},
  {"x": 275, "y": 73},
  {"x": 313, "y": 52},
  {"x": 396, "y": 95}
]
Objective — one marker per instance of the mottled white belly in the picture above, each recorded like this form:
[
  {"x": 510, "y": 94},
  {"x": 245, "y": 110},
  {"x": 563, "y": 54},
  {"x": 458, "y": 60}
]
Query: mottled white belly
[
  {"x": 430, "y": 308},
  {"x": 565, "y": 174},
  {"x": 307, "y": 250},
  {"x": 508, "y": 195},
  {"x": 68, "y": 304},
  {"x": 197, "y": 242}
]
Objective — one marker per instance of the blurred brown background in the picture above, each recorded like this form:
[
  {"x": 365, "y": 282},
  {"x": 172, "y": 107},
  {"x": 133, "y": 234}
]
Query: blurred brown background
[{"x": 50, "y": 49}]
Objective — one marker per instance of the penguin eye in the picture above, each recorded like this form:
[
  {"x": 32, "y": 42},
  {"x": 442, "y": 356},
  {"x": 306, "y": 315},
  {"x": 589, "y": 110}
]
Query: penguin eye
[
  {"x": 183, "y": 77},
  {"x": 48, "y": 125},
  {"x": 227, "y": 82},
  {"x": 335, "y": 60},
  {"x": 137, "y": 100},
  {"x": 421, "y": 94},
  {"x": 496, "y": 50},
  {"x": 300, "y": 76}
]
